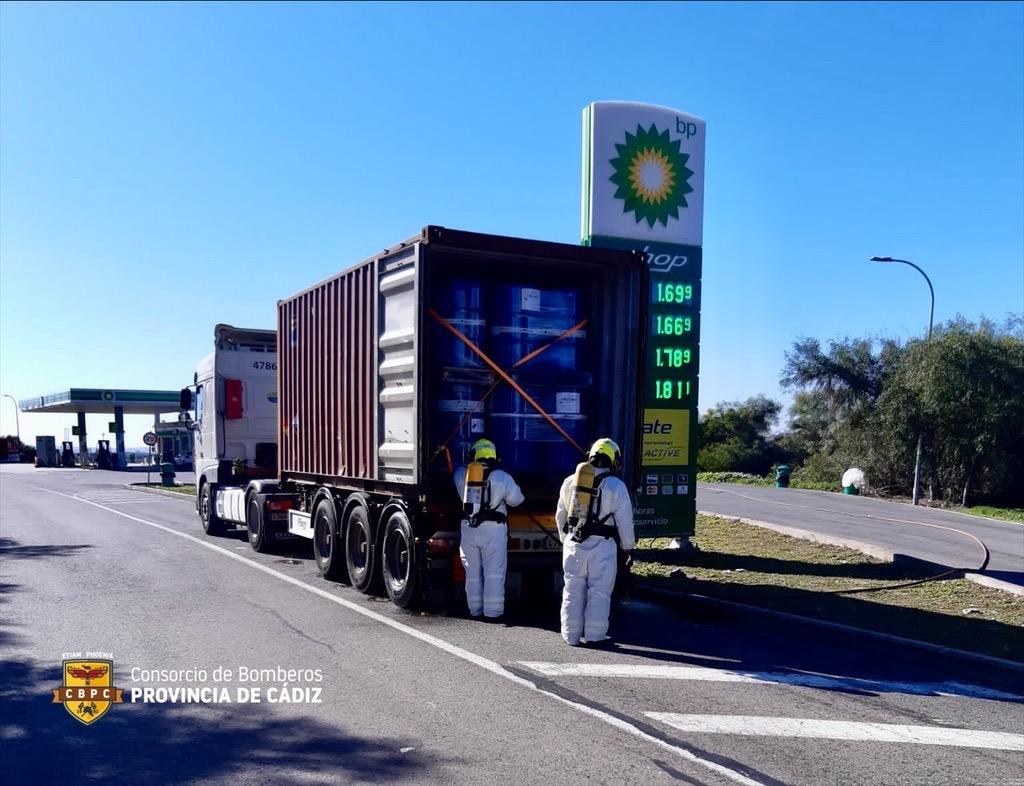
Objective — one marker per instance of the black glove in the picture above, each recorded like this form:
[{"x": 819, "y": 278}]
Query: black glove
[{"x": 629, "y": 559}]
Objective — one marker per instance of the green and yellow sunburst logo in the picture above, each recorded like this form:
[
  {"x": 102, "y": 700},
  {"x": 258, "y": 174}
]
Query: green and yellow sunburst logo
[{"x": 651, "y": 176}]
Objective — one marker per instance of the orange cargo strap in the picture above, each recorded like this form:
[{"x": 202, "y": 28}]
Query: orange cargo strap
[
  {"x": 525, "y": 359},
  {"x": 515, "y": 385}
]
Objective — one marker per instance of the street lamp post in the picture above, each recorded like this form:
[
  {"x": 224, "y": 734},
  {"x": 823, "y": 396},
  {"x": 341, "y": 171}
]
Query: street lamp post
[
  {"x": 17, "y": 423},
  {"x": 931, "y": 317}
]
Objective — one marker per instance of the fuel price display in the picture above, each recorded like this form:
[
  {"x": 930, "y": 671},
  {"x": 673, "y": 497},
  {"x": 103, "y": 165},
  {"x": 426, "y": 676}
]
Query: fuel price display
[
  {"x": 665, "y": 501},
  {"x": 672, "y": 339}
]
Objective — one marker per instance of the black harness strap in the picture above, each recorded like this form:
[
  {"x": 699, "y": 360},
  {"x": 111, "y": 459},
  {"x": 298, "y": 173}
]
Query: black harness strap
[
  {"x": 594, "y": 526},
  {"x": 487, "y": 513}
]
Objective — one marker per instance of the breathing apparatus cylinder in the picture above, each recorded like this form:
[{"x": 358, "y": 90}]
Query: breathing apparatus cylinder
[
  {"x": 473, "y": 489},
  {"x": 583, "y": 493}
]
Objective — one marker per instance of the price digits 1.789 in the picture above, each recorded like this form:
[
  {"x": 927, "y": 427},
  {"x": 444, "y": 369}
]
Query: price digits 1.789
[{"x": 672, "y": 357}]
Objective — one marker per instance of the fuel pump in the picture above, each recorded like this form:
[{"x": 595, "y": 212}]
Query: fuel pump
[{"x": 103, "y": 458}]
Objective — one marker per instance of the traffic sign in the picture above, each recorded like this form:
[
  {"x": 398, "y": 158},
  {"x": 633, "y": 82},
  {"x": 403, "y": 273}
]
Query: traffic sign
[{"x": 149, "y": 438}]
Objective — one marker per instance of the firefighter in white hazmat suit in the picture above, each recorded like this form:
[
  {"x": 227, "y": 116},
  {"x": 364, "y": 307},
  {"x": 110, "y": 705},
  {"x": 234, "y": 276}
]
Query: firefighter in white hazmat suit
[
  {"x": 594, "y": 509},
  {"x": 487, "y": 494}
]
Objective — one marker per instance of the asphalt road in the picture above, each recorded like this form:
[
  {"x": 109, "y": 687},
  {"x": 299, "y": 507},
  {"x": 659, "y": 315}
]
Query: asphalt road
[
  {"x": 687, "y": 695},
  {"x": 926, "y": 533}
]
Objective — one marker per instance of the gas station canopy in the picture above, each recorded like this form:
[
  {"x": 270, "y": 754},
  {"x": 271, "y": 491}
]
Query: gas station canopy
[{"x": 97, "y": 400}]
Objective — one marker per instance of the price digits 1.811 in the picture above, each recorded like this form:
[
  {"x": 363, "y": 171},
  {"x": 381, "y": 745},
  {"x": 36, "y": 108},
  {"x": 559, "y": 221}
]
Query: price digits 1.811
[{"x": 671, "y": 389}]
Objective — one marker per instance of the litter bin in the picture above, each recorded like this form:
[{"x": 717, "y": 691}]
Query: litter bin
[
  {"x": 782, "y": 473},
  {"x": 853, "y": 481},
  {"x": 167, "y": 473}
]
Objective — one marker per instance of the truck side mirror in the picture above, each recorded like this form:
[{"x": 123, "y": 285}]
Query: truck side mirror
[{"x": 185, "y": 400}]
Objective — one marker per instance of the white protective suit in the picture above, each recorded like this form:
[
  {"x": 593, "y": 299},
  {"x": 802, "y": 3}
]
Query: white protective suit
[
  {"x": 484, "y": 549},
  {"x": 590, "y": 566}
]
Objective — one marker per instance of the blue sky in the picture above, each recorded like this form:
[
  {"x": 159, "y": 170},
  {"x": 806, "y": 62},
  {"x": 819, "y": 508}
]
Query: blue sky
[{"x": 167, "y": 167}]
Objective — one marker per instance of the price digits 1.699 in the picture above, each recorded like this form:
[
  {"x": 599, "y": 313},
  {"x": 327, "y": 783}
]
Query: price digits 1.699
[{"x": 673, "y": 293}]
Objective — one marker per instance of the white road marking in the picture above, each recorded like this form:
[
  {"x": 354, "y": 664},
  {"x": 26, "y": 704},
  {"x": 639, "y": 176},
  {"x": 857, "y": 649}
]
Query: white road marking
[
  {"x": 441, "y": 644},
  {"x": 759, "y": 726},
  {"x": 704, "y": 674},
  {"x": 121, "y": 499}
]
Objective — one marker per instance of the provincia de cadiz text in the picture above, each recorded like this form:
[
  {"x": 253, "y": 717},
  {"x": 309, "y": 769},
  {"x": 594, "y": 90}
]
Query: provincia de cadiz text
[{"x": 235, "y": 683}]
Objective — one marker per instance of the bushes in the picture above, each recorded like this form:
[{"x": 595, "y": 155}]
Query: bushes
[
  {"x": 733, "y": 477},
  {"x": 746, "y": 479}
]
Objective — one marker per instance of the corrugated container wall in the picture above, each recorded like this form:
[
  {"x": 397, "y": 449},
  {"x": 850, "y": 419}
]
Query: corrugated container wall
[
  {"x": 326, "y": 337},
  {"x": 386, "y": 372}
]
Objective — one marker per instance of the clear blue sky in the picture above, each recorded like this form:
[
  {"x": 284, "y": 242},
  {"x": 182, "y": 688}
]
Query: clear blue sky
[{"x": 167, "y": 167}]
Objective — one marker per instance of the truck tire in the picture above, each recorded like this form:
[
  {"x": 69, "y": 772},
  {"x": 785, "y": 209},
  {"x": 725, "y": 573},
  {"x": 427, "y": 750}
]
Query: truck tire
[
  {"x": 212, "y": 525},
  {"x": 256, "y": 523},
  {"x": 398, "y": 560},
  {"x": 359, "y": 551},
  {"x": 327, "y": 545}
]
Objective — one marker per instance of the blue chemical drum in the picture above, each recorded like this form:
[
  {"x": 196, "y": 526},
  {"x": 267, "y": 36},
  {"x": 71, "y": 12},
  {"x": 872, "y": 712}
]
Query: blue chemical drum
[
  {"x": 530, "y": 447},
  {"x": 457, "y": 406},
  {"x": 553, "y": 399},
  {"x": 524, "y": 319},
  {"x": 459, "y": 301}
]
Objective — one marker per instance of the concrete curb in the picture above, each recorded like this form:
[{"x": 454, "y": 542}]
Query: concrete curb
[
  {"x": 938, "y": 648},
  {"x": 161, "y": 492},
  {"x": 878, "y": 552},
  {"x": 994, "y": 583}
]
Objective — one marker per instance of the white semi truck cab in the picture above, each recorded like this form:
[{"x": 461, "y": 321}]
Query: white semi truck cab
[{"x": 233, "y": 416}]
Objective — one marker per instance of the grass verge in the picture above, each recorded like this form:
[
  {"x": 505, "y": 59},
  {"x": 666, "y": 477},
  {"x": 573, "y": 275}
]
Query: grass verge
[
  {"x": 763, "y": 568},
  {"x": 1006, "y": 514},
  {"x": 188, "y": 488}
]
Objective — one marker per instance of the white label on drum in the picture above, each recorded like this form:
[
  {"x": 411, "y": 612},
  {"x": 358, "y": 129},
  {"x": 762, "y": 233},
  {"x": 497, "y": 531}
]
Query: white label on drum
[
  {"x": 567, "y": 403},
  {"x": 476, "y": 426},
  {"x": 531, "y": 299}
]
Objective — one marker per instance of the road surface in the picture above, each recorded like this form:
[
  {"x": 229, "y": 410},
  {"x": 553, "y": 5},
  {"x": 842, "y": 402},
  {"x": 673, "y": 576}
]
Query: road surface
[
  {"x": 925, "y": 533},
  {"x": 685, "y": 696}
]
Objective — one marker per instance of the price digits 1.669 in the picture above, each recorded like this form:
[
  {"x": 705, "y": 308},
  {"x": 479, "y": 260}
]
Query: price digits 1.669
[
  {"x": 671, "y": 389},
  {"x": 665, "y": 325},
  {"x": 672, "y": 293}
]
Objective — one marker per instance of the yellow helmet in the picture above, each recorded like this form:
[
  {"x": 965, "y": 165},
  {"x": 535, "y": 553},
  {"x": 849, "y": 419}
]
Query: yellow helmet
[
  {"x": 484, "y": 449},
  {"x": 607, "y": 448}
]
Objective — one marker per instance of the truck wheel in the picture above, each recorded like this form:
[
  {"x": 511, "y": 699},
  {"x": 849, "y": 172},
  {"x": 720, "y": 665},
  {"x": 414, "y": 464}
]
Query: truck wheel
[
  {"x": 255, "y": 522},
  {"x": 359, "y": 548},
  {"x": 212, "y": 525},
  {"x": 398, "y": 560},
  {"x": 326, "y": 543}
]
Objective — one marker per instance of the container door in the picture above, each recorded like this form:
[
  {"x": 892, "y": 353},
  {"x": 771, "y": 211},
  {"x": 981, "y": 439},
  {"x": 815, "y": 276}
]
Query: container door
[{"x": 397, "y": 371}]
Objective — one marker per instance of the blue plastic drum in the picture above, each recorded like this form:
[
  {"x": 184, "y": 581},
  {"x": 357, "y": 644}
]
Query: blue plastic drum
[
  {"x": 524, "y": 319},
  {"x": 457, "y": 406},
  {"x": 530, "y": 447},
  {"x": 460, "y": 302}
]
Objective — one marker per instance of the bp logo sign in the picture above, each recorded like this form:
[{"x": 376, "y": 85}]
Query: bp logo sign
[
  {"x": 643, "y": 174},
  {"x": 651, "y": 175}
]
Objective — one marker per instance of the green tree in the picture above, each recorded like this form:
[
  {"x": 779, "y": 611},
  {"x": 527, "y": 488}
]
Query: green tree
[
  {"x": 737, "y": 436},
  {"x": 863, "y": 402},
  {"x": 964, "y": 391},
  {"x": 833, "y": 419}
]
